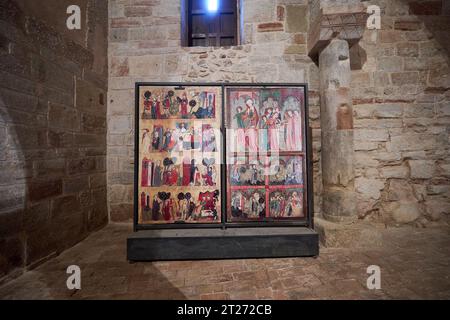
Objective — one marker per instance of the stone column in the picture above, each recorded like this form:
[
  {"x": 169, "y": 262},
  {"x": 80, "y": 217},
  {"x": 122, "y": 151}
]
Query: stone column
[
  {"x": 337, "y": 132},
  {"x": 332, "y": 31}
]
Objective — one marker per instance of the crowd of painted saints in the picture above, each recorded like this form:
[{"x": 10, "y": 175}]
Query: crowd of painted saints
[
  {"x": 167, "y": 172},
  {"x": 183, "y": 137},
  {"x": 248, "y": 204},
  {"x": 286, "y": 171},
  {"x": 286, "y": 204},
  {"x": 167, "y": 105},
  {"x": 269, "y": 127},
  {"x": 181, "y": 206},
  {"x": 251, "y": 204}
]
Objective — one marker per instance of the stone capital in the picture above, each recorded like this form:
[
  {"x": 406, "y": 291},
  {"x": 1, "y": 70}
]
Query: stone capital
[{"x": 346, "y": 22}]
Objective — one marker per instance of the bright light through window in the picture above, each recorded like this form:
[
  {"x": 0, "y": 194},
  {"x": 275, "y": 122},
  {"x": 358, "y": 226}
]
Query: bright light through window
[{"x": 212, "y": 5}]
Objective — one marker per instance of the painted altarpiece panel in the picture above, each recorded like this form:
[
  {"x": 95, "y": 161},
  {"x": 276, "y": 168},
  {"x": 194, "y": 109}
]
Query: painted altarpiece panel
[
  {"x": 266, "y": 152},
  {"x": 179, "y": 154}
]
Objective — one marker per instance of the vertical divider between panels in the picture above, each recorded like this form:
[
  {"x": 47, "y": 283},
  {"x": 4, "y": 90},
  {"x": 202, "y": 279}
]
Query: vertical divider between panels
[{"x": 223, "y": 166}]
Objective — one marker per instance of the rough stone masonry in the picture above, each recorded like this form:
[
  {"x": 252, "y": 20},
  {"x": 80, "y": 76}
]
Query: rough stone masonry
[
  {"x": 52, "y": 129},
  {"x": 400, "y": 94}
]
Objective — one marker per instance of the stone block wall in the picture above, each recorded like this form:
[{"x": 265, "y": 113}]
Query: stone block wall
[
  {"x": 53, "y": 85},
  {"x": 145, "y": 45},
  {"x": 401, "y": 103},
  {"x": 400, "y": 96}
]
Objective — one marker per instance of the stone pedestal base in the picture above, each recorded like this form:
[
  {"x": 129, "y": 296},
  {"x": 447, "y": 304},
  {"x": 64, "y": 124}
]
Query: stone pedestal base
[
  {"x": 232, "y": 243},
  {"x": 348, "y": 235}
]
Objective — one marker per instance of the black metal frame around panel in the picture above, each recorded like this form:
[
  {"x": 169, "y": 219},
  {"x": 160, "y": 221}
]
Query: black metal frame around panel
[
  {"x": 308, "y": 222},
  {"x": 137, "y": 225}
]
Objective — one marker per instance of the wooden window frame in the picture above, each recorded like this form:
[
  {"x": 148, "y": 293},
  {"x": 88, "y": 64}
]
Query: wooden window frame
[{"x": 186, "y": 25}]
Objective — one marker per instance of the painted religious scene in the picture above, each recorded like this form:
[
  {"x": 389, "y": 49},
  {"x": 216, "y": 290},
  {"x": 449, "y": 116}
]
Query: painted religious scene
[
  {"x": 265, "y": 154},
  {"x": 179, "y": 155},
  {"x": 263, "y": 120}
]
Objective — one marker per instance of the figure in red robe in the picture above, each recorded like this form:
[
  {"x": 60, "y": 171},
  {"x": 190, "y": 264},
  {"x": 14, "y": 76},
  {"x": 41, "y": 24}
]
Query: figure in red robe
[
  {"x": 186, "y": 172},
  {"x": 208, "y": 177},
  {"x": 146, "y": 169},
  {"x": 166, "y": 210},
  {"x": 171, "y": 176},
  {"x": 207, "y": 200},
  {"x": 171, "y": 209},
  {"x": 184, "y": 106}
]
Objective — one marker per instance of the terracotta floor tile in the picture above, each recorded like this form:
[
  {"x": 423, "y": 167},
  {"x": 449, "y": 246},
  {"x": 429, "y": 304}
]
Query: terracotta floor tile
[{"x": 415, "y": 263}]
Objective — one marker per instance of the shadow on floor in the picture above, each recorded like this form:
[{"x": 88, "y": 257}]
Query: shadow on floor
[{"x": 105, "y": 273}]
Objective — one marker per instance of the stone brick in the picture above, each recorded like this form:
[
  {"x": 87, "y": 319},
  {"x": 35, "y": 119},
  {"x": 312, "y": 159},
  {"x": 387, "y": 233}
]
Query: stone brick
[
  {"x": 50, "y": 167},
  {"x": 264, "y": 11},
  {"x": 270, "y": 26},
  {"x": 118, "y": 35},
  {"x": 60, "y": 138},
  {"x": 11, "y": 223},
  {"x": 371, "y": 135},
  {"x": 11, "y": 254},
  {"x": 360, "y": 79},
  {"x": 37, "y": 216},
  {"x": 388, "y": 111},
  {"x": 416, "y": 64},
  {"x": 390, "y": 36},
  {"x": 407, "y": 25},
  {"x": 390, "y": 64},
  {"x": 411, "y": 142},
  {"x": 92, "y": 123},
  {"x": 40, "y": 243},
  {"x": 398, "y": 172},
  {"x": 428, "y": 8},
  {"x": 436, "y": 208},
  {"x": 407, "y": 49},
  {"x": 75, "y": 184},
  {"x": 138, "y": 11},
  {"x": 65, "y": 205},
  {"x": 443, "y": 109},
  {"x": 89, "y": 140},
  {"x": 369, "y": 188},
  {"x": 422, "y": 169},
  {"x": 419, "y": 110},
  {"x": 299, "y": 38},
  {"x": 122, "y": 22},
  {"x": 296, "y": 18},
  {"x": 90, "y": 98},
  {"x": 146, "y": 66},
  {"x": 119, "y": 67},
  {"x": 11, "y": 171},
  {"x": 119, "y": 124},
  {"x": 365, "y": 145},
  {"x": 97, "y": 181},
  {"x": 39, "y": 190},
  {"x": 48, "y": 75},
  {"x": 77, "y": 166},
  {"x": 121, "y": 212},
  {"x": 121, "y": 194},
  {"x": 295, "y": 49},
  {"x": 403, "y": 78},
  {"x": 404, "y": 212},
  {"x": 27, "y": 137}
]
